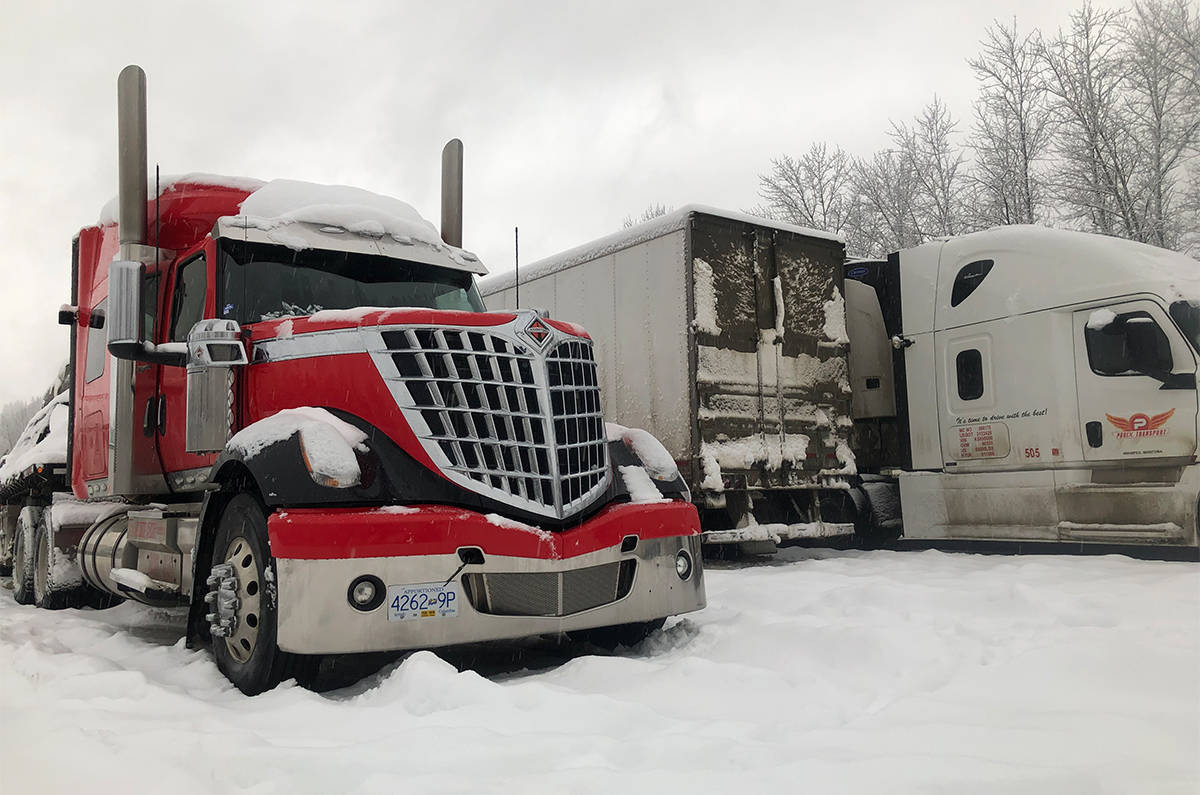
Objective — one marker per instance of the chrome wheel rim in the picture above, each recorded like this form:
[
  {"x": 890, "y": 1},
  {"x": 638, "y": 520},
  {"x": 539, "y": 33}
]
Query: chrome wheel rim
[{"x": 242, "y": 641}]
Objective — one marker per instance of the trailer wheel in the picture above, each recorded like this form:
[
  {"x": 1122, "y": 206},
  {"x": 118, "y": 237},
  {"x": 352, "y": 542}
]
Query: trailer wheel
[
  {"x": 242, "y": 597},
  {"x": 46, "y": 593},
  {"x": 23, "y": 552},
  {"x": 609, "y": 638}
]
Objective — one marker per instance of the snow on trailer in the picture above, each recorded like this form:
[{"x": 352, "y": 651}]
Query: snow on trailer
[{"x": 725, "y": 335}]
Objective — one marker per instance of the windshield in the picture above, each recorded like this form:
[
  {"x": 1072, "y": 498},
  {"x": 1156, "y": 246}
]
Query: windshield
[
  {"x": 264, "y": 282},
  {"x": 1187, "y": 315}
]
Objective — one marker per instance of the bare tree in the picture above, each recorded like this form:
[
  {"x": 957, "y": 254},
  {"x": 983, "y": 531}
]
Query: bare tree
[
  {"x": 885, "y": 192},
  {"x": 13, "y": 419},
  {"x": 1012, "y": 130},
  {"x": 648, "y": 214},
  {"x": 813, "y": 190},
  {"x": 1087, "y": 73},
  {"x": 1163, "y": 102},
  {"x": 936, "y": 165}
]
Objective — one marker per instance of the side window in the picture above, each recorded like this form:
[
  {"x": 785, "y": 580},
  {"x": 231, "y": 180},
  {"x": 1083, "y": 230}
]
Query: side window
[
  {"x": 97, "y": 348},
  {"x": 187, "y": 302},
  {"x": 969, "y": 277},
  {"x": 969, "y": 366},
  {"x": 1131, "y": 343}
]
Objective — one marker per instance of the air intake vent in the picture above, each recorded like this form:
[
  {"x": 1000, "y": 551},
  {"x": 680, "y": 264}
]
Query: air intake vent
[{"x": 549, "y": 593}]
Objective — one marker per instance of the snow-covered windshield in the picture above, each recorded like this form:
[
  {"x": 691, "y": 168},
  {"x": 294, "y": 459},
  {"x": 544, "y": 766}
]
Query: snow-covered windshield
[
  {"x": 263, "y": 282},
  {"x": 1187, "y": 315}
]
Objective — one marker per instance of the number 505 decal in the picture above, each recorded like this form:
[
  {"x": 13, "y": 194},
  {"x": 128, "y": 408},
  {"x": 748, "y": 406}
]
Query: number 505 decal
[{"x": 1033, "y": 452}]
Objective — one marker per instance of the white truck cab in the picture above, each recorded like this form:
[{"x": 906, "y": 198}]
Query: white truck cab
[{"x": 1042, "y": 386}]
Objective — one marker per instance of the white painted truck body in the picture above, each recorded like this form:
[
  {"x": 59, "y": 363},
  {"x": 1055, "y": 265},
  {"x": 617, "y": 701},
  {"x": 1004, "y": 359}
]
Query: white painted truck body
[
  {"x": 725, "y": 334},
  {"x": 1053, "y": 398}
]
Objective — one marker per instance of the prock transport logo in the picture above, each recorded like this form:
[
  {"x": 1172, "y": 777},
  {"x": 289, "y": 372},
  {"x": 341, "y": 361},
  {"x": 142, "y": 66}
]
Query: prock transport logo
[{"x": 1140, "y": 425}]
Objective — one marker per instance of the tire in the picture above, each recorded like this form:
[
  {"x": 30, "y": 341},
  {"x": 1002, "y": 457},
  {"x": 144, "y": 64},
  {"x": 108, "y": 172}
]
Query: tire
[
  {"x": 249, "y": 656},
  {"x": 609, "y": 638},
  {"x": 45, "y": 594},
  {"x": 23, "y": 555}
]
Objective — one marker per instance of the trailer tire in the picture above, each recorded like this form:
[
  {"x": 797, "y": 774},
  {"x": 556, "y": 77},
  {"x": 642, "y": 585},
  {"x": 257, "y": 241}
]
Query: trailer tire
[
  {"x": 249, "y": 657},
  {"x": 23, "y": 554},
  {"x": 46, "y": 594},
  {"x": 609, "y": 638}
]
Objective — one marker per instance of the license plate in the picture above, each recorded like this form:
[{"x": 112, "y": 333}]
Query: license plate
[{"x": 422, "y": 600}]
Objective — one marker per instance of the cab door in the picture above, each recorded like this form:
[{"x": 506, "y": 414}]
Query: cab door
[
  {"x": 190, "y": 299},
  {"x": 1136, "y": 380}
]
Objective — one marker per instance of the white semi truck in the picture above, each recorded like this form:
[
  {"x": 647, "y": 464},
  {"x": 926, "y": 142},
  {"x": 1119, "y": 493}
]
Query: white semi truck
[{"x": 1025, "y": 387}]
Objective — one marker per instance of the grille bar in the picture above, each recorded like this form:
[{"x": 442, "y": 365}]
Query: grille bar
[{"x": 500, "y": 417}]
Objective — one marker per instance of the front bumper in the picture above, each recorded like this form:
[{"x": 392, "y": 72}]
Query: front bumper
[{"x": 320, "y": 552}]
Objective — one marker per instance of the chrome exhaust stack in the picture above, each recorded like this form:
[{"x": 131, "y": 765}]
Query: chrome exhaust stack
[
  {"x": 131, "y": 161},
  {"x": 124, "y": 318},
  {"x": 452, "y": 192}
]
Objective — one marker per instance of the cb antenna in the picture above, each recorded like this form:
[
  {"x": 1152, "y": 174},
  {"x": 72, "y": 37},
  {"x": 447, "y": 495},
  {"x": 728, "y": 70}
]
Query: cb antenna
[{"x": 516, "y": 267}]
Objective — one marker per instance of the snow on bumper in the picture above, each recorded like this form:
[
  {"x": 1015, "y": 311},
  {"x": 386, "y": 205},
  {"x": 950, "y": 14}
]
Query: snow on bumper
[{"x": 320, "y": 552}]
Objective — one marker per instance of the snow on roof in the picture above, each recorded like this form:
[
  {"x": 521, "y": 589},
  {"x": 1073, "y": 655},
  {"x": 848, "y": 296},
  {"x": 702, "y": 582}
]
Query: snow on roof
[
  {"x": 302, "y": 215},
  {"x": 640, "y": 233},
  {"x": 110, "y": 212}
]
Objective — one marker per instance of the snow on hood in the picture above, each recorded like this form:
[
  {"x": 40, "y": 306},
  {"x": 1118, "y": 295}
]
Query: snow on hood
[
  {"x": 328, "y": 442},
  {"x": 44, "y": 440}
]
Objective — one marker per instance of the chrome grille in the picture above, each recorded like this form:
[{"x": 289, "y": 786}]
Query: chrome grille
[
  {"x": 500, "y": 418},
  {"x": 579, "y": 437}
]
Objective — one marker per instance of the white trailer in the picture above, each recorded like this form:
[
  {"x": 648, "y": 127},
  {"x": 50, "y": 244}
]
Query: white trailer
[
  {"x": 725, "y": 334},
  {"x": 1028, "y": 387}
]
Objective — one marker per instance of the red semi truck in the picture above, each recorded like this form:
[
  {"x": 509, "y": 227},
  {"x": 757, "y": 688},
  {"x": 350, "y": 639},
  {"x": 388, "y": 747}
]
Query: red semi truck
[{"x": 290, "y": 411}]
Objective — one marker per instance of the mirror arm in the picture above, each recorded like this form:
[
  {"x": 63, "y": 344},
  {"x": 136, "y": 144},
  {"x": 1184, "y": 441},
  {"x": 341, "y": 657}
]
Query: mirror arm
[{"x": 140, "y": 352}]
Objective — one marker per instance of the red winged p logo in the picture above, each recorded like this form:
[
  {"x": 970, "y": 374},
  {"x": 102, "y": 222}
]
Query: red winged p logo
[{"x": 1140, "y": 424}]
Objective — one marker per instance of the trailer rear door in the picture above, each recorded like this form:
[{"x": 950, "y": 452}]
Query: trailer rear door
[{"x": 770, "y": 383}]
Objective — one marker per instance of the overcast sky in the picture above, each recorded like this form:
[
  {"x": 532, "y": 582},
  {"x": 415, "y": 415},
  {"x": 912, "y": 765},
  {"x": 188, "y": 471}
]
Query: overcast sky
[{"x": 574, "y": 115}]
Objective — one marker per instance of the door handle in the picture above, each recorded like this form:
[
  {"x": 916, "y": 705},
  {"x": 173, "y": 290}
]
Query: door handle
[
  {"x": 148, "y": 421},
  {"x": 1095, "y": 433},
  {"x": 162, "y": 415}
]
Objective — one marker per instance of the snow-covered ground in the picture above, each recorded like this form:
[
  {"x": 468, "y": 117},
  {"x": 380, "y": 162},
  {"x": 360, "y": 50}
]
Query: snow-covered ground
[{"x": 816, "y": 672}]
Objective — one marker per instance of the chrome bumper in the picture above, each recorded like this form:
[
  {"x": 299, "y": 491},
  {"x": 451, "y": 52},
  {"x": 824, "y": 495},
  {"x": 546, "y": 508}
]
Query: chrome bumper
[{"x": 315, "y": 615}]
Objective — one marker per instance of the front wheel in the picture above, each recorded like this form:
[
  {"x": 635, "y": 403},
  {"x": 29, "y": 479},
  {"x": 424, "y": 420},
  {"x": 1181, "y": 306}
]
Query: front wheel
[{"x": 242, "y": 608}]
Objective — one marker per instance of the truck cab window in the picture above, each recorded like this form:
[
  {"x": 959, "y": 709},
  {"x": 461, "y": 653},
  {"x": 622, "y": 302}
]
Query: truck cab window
[
  {"x": 969, "y": 277},
  {"x": 263, "y": 282},
  {"x": 969, "y": 366},
  {"x": 1187, "y": 315},
  {"x": 187, "y": 302},
  {"x": 1131, "y": 343},
  {"x": 97, "y": 350}
]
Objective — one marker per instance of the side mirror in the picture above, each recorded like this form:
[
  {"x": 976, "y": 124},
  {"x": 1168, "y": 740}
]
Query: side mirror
[
  {"x": 1144, "y": 345},
  {"x": 125, "y": 319}
]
